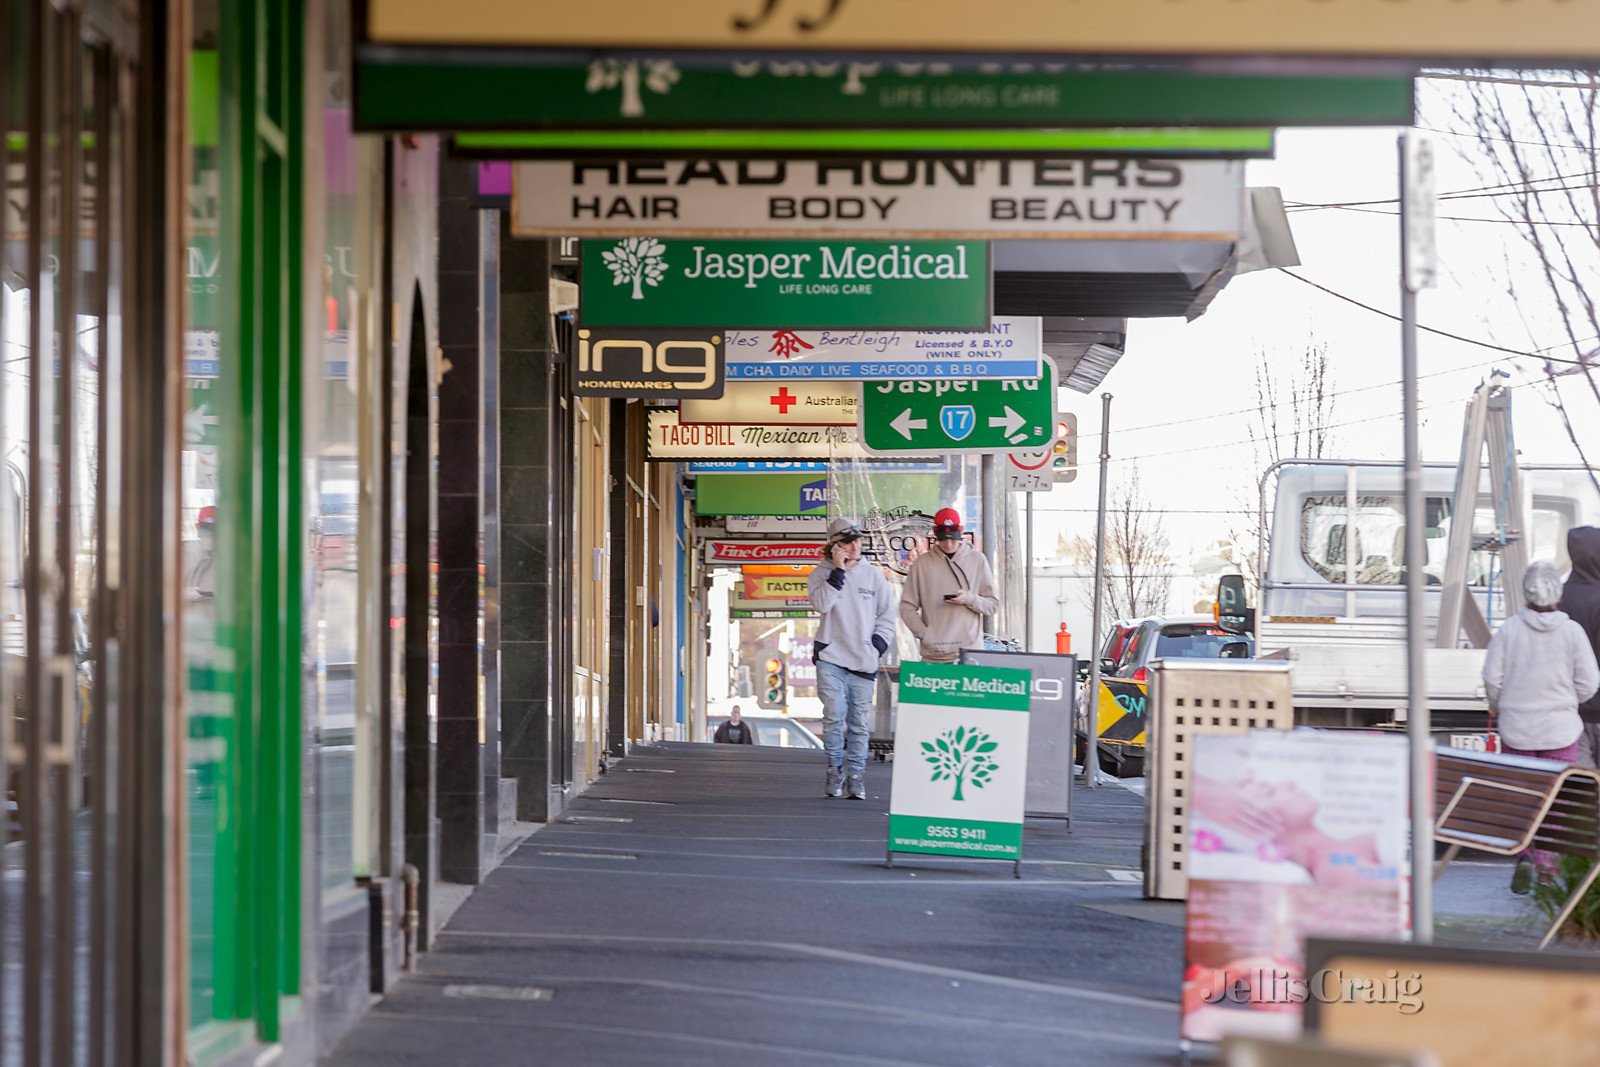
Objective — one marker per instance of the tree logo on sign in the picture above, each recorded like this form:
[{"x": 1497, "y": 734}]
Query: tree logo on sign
[
  {"x": 961, "y": 755},
  {"x": 638, "y": 260},
  {"x": 657, "y": 75}
]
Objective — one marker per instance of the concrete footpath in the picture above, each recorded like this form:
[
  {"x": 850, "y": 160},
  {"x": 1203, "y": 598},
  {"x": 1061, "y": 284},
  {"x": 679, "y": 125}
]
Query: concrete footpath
[{"x": 706, "y": 905}]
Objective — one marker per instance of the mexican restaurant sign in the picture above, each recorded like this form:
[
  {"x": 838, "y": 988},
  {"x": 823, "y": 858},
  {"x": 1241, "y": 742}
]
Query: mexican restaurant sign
[
  {"x": 671, "y": 439},
  {"x": 722, "y": 550},
  {"x": 996, "y": 199},
  {"x": 643, "y": 281},
  {"x": 1007, "y": 348}
]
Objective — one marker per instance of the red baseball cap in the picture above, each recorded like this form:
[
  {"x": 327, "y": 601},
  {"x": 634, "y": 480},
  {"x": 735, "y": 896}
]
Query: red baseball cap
[
  {"x": 946, "y": 524},
  {"x": 207, "y": 516}
]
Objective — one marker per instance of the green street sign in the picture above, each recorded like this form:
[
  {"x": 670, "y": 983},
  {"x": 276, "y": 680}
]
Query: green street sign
[
  {"x": 409, "y": 89},
  {"x": 1177, "y": 142},
  {"x": 934, "y": 416},
  {"x": 786, "y": 285},
  {"x": 808, "y": 494}
]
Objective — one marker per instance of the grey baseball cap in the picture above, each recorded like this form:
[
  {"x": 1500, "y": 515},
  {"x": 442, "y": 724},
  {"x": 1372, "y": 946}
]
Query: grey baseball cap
[{"x": 843, "y": 529}]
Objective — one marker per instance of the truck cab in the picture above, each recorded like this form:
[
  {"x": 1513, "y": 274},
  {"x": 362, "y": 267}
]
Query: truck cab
[{"x": 1332, "y": 582}]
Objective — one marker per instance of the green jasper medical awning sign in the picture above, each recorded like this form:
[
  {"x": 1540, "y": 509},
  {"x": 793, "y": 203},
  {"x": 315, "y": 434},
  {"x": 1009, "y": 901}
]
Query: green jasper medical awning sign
[
  {"x": 786, "y": 285},
  {"x": 407, "y": 89},
  {"x": 1242, "y": 142},
  {"x": 934, "y": 416}
]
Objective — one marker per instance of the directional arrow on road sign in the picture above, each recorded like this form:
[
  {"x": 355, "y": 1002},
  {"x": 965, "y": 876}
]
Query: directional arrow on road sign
[
  {"x": 904, "y": 424},
  {"x": 934, "y": 416},
  {"x": 1010, "y": 421}
]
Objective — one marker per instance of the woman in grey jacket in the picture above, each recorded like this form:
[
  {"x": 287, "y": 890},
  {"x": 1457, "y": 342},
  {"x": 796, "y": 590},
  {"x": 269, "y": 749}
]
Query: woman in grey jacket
[{"x": 1539, "y": 669}]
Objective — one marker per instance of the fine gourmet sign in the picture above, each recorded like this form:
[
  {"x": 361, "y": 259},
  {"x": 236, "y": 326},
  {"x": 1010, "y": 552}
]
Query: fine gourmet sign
[
  {"x": 1070, "y": 199},
  {"x": 719, "y": 550}
]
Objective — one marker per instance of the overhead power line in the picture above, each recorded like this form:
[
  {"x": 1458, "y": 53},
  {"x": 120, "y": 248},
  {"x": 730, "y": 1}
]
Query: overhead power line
[{"x": 1442, "y": 333}]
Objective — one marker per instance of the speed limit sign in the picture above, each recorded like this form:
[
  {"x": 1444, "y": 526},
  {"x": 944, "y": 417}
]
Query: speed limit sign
[{"x": 1029, "y": 472}]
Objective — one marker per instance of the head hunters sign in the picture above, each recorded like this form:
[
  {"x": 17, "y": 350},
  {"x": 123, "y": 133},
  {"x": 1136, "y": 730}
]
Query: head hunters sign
[{"x": 1104, "y": 199}]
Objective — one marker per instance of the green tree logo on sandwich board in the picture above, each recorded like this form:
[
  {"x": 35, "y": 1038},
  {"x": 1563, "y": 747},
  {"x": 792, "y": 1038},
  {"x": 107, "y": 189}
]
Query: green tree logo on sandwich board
[{"x": 962, "y": 755}]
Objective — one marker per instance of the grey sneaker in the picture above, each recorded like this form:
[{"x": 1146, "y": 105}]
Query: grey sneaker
[
  {"x": 834, "y": 786},
  {"x": 856, "y": 787}
]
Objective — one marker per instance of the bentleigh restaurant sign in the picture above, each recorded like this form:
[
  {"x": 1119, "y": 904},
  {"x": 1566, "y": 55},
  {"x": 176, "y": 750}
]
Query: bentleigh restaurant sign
[{"x": 1104, "y": 199}]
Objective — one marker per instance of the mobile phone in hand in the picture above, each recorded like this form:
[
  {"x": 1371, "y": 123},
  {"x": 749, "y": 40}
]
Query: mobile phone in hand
[{"x": 951, "y": 596}]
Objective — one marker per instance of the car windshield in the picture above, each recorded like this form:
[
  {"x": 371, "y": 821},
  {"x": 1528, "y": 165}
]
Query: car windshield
[
  {"x": 1201, "y": 642},
  {"x": 783, "y": 734}
]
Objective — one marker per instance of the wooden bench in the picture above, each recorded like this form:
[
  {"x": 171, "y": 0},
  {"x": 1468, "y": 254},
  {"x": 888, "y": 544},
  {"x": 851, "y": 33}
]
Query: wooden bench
[{"x": 1505, "y": 804}]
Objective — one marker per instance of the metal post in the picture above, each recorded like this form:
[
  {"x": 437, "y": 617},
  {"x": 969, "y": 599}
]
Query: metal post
[
  {"x": 1091, "y": 754},
  {"x": 1027, "y": 587},
  {"x": 1418, "y": 720},
  {"x": 991, "y": 528}
]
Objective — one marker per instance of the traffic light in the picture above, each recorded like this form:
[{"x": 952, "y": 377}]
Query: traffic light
[
  {"x": 1064, "y": 452},
  {"x": 775, "y": 693}
]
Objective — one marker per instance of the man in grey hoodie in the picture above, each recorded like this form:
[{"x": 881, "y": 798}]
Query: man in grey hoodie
[
  {"x": 1538, "y": 670},
  {"x": 1580, "y": 599},
  {"x": 857, "y": 607}
]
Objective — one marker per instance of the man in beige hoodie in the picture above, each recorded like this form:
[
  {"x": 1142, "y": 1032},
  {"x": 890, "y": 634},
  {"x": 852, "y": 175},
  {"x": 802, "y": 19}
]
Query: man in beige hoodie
[{"x": 947, "y": 593}]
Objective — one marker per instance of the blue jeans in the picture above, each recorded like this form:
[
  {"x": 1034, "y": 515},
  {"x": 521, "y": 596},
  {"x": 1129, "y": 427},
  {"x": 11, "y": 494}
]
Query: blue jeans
[{"x": 846, "y": 704}]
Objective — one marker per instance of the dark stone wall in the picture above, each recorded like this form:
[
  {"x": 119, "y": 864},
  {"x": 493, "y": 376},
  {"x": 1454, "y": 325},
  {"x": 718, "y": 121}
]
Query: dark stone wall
[
  {"x": 531, "y": 509},
  {"x": 460, "y": 771}
]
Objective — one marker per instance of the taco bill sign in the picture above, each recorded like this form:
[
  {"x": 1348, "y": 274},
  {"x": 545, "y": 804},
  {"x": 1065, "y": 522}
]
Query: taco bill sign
[{"x": 926, "y": 285}]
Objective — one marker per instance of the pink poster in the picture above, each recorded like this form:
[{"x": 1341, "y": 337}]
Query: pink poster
[{"x": 1291, "y": 835}]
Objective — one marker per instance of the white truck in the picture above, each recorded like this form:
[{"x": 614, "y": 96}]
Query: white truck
[{"x": 1332, "y": 598}]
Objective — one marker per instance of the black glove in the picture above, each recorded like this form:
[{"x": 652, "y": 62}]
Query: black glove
[
  {"x": 880, "y": 644},
  {"x": 836, "y": 577}
]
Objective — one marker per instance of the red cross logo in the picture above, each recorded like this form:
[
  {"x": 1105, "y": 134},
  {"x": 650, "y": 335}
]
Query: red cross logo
[{"x": 783, "y": 400}]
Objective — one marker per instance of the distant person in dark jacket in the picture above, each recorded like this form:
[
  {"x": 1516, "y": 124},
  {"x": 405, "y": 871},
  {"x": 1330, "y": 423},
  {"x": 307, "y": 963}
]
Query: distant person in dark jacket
[
  {"x": 1580, "y": 599},
  {"x": 735, "y": 731}
]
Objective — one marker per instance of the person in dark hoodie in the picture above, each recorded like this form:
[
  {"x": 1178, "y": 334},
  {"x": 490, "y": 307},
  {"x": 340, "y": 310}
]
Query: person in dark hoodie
[
  {"x": 1540, "y": 667},
  {"x": 1580, "y": 599}
]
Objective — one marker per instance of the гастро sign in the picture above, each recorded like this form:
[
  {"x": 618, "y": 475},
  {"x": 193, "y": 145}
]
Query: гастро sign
[
  {"x": 642, "y": 281},
  {"x": 669, "y": 364},
  {"x": 996, "y": 199},
  {"x": 1006, "y": 348}
]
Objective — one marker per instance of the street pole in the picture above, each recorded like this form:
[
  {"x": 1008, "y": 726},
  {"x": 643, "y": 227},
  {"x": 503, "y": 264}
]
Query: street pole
[
  {"x": 1027, "y": 589},
  {"x": 991, "y": 527},
  {"x": 1091, "y": 755},
  {"x": 1417, "y": 264}
]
